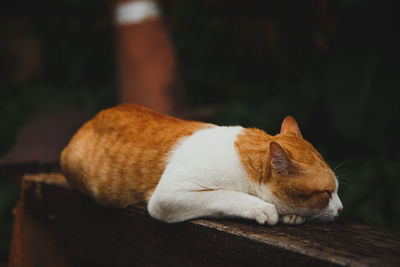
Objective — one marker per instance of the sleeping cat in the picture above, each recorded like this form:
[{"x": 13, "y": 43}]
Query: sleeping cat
[{"x": 186, "y": 169}]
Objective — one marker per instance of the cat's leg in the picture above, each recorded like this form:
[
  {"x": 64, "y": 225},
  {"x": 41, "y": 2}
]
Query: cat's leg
[
  {"x": 292, "y": 219},
  {"x": 184, "y": 205}
]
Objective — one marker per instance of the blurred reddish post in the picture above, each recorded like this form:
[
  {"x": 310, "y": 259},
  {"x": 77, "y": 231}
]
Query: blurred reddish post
[{"x": 146, "y": 58}]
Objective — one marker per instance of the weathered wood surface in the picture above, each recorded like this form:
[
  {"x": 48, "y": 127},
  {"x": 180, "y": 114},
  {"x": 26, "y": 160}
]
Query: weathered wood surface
[{"x": 82, "y": 233}]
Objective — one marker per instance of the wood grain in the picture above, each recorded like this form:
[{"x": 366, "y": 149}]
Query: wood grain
[{"x": 92, "y": 235}]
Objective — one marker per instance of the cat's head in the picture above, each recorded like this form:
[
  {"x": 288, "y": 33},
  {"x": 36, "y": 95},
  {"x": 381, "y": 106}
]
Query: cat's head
[{"x": 301, "y": 181}]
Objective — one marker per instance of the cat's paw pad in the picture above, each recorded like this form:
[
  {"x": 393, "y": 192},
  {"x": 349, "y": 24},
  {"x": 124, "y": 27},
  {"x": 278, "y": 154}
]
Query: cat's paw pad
[
  {"x": 265, "y": 213},
  {"x": 292, "y": 219}
]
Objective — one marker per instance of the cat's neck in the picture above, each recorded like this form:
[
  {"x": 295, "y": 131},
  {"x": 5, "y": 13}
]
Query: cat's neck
[{"x": 252, "y": 146}]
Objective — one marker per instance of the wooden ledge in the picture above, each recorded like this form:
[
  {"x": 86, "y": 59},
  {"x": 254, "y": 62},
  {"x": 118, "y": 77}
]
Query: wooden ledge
[{"x": 57, "y": 226}]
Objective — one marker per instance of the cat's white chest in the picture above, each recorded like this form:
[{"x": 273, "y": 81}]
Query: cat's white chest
[
  {"x": 204, "y": 177},
  {"x": 207, "y": 159}
]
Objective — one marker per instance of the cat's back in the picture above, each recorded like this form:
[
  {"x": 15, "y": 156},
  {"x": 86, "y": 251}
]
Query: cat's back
[{"x": 122, "y": 152}]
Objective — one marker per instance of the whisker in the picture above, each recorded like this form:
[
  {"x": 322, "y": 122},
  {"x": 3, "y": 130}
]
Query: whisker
[
  {"x": 340, "y": 164},
  {"x": 340, "y": 177},
  {"x": 342, "y": 180},
  {"x": 343, "y": 162},
  {"x": 313, "y": 219}
]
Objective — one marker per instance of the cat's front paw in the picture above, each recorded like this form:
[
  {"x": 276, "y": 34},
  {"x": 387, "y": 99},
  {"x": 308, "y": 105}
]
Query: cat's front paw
[
  {"x": 292, "y": 219},
  {"x": 264, "y": 212}
]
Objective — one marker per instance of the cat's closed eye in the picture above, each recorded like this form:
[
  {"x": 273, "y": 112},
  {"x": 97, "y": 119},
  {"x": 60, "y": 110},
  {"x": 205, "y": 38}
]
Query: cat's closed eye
[{"x": 329, "y": 193}]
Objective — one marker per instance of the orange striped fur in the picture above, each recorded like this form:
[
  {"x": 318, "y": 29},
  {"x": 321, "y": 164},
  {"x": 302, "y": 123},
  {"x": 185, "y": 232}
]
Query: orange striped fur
[{"x": 119, "y": 156}]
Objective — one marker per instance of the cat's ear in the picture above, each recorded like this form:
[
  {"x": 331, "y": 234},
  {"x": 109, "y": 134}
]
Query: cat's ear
[
  {"x": 280, "y": 162},
  {"x": 290, "y": 126}
]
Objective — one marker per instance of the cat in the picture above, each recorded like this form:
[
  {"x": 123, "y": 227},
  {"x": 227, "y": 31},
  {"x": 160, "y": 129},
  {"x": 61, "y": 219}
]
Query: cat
[{"x": 187, "y": 169}]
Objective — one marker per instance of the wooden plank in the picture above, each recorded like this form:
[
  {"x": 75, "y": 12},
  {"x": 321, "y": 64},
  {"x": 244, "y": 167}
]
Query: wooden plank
[{"x": 94, "y": 235}]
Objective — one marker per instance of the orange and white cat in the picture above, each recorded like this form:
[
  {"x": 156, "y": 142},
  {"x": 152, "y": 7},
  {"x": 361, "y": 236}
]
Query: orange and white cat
[{"x": 185, "y": 169}]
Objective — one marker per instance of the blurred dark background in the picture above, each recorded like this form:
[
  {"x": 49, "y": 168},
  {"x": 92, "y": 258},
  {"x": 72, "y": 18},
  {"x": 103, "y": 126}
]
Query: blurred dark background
[{"x": 333, "y": 65}]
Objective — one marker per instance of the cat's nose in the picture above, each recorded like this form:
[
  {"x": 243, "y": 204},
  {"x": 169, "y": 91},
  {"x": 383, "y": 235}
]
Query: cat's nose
[{"x": 339, "y": 210}]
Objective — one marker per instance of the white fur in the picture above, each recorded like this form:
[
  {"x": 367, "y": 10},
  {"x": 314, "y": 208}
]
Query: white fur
[
  {"x": 205, "y": 178},
  {"x": 332, "y": 210}
]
